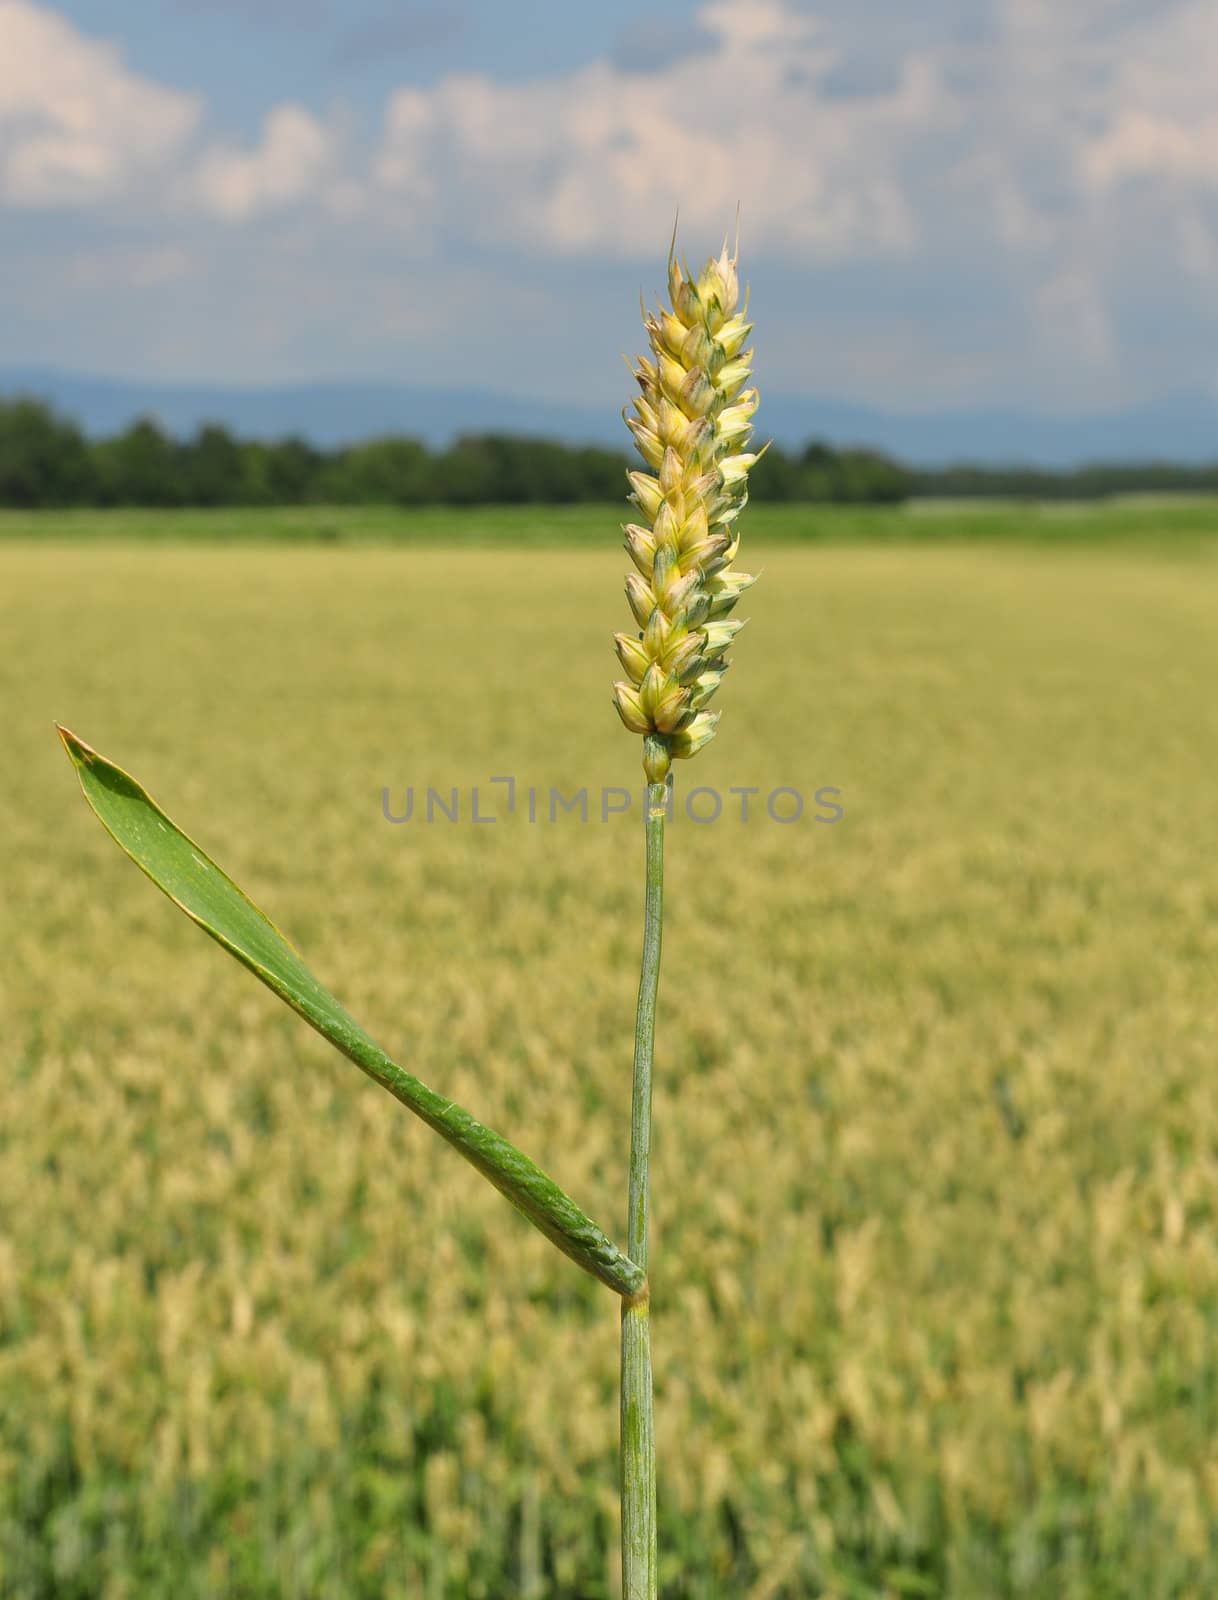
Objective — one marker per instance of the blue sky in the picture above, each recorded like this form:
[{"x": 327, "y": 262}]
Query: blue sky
[{"x": 968, "y": 202}]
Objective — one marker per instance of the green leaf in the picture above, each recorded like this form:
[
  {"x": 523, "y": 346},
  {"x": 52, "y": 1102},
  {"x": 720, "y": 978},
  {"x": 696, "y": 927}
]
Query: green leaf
[{"x": 194, "y": 882}]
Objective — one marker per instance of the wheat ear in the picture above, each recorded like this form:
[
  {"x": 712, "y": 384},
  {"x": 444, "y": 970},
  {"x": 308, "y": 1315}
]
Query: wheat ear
[{"x": 692, "y": 423}]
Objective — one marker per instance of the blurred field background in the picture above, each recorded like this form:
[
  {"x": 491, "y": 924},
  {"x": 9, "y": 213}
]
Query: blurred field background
[
  {"x": 1154, "y": 521},
  {"x": 936, "y": 1168}
]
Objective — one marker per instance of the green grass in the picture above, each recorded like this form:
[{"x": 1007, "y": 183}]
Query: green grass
[
  {"x": 936, "y": 1169},
  {"x": 1166, "y": 522}
]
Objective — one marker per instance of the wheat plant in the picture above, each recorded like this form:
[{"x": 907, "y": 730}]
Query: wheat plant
[
  {"x": 692, "y": 424},
  {"x": 694, "y": 417}
]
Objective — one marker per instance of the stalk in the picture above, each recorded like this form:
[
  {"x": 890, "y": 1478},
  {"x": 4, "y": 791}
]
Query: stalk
[{"x": 638, "y": 1455}]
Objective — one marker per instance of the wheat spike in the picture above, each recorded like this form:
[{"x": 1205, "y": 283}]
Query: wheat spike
[{"x": 692, "y": 423}]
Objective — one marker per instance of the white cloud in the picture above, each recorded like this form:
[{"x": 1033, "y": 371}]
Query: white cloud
[
  {"x": 79, "y": 129},
  {"x": 1139, "y": 145},
  {"x": 290, "y": 165},
  {"x": 76, "y": 126},
  {"x": 1161, "y": 120},
  {"x": 600, "y": 158}
]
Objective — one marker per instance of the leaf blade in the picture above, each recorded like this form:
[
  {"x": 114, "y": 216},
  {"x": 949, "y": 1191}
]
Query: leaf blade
[{"x": 184, "y": 872}]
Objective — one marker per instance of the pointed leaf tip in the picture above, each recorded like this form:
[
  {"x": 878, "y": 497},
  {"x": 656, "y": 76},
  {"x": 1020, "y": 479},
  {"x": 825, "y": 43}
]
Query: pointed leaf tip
[{"x": 78, "y": 751}]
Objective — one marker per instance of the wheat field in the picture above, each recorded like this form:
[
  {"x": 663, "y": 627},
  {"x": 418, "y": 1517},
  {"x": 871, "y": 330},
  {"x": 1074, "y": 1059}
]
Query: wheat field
[{"x": 935, "y": 1251}]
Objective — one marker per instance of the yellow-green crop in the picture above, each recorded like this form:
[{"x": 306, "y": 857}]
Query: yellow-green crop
[{"x": 936, "y": 1214}]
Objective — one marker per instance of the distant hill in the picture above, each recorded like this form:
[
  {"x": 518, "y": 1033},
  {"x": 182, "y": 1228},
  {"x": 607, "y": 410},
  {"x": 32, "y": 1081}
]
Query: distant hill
[{"x": 1181, "y": 427}]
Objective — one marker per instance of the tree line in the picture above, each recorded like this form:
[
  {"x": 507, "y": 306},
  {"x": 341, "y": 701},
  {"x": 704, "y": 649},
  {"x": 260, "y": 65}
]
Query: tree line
[{"x": 47, "y": 460}]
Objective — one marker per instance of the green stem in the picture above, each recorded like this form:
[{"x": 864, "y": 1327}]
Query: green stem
[{"x": 638, "y": 1419}]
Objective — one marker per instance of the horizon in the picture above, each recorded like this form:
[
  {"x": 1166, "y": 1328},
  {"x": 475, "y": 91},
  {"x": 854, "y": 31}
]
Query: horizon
[{"x": 330, "y": 412}]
